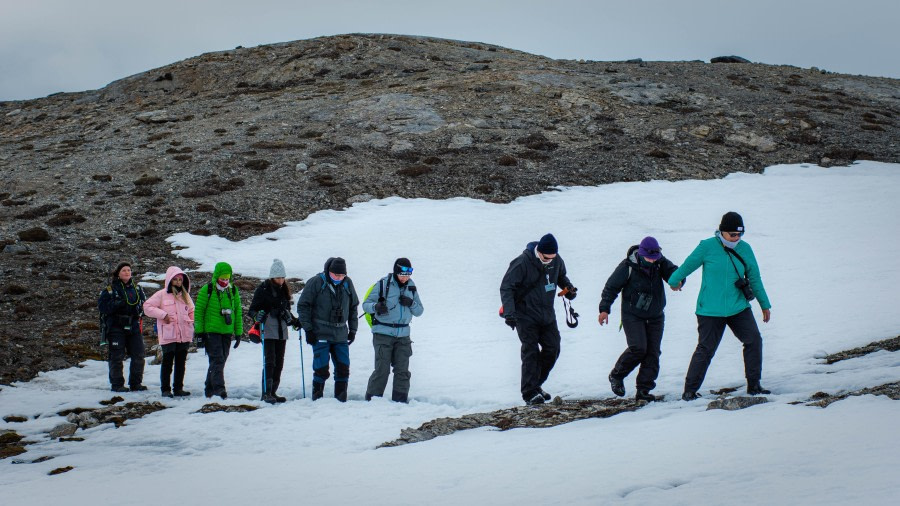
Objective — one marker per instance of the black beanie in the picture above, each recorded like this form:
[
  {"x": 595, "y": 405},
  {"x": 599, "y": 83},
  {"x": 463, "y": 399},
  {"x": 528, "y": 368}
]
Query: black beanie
[
  {"x": 401, "y": 262},
  {"x": 732, "y": 222},
  {"x": 338, "y": 266},
  {"x": 547, "y": 245}
]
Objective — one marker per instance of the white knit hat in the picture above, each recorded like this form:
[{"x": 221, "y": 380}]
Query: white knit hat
[{"x": 277, "y": 270}]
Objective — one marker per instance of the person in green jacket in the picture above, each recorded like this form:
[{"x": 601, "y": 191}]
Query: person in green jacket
[
  {"x": 218, "y": 319},
  {"x": 730, "y": 281}
]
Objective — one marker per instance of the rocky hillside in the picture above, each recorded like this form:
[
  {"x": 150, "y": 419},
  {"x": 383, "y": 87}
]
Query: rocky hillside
[{"x": 236, "y": 142}]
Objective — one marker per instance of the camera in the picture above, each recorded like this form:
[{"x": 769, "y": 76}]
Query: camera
[
  {"x": 226, "y": 313},
  {"x": 643, "y": 302},
  {"x": 743, "y": 284}
]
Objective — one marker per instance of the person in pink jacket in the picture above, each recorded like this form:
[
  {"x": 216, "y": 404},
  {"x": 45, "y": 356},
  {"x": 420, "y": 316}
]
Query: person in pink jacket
[{"x": 174, "y": 312}]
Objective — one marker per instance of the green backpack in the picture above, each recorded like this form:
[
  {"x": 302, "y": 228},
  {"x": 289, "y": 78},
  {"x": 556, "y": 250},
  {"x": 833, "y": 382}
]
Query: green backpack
[{"x": 382, "y": 293}]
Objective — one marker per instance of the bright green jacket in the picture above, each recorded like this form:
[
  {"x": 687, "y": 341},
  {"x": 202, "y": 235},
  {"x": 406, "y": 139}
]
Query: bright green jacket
[
  {"x": 718, "y": 295},
  {"x": 208, "y": 306}
]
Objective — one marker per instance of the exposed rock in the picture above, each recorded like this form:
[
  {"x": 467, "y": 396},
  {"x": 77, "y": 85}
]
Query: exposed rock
[
  {"x": 15, "y": 418},
  {"x": 460, "y": 141},
  {"x": 736, "y": 403},
  {"x": 892, "y": 344},
  {"x": 729, "y": 59},
  {"x": 87, "y": 418},
  {"x": 60, "y": 470},
  {"x": 10, "y": 444},
  {"x": 546, "y": 415},
  {"x": 823, "y": 399},
  {"x": 159, "y": 116},
  {"x": 752, "y": 140},
  {"x": 63, "y": 430},
  {"x": 215, "y": 407}
]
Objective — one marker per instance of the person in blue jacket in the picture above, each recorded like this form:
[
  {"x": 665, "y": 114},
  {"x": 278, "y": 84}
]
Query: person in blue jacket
[{"x": 393, "y": 302}]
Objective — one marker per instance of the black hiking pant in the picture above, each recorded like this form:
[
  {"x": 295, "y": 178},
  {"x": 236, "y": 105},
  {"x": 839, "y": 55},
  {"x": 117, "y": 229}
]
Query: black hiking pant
[
  {"x": 173, "y": 354},
  {"x": 217, "y": 348},
  {"x": 644, "y": 338},
  {"x": 274, "y": 363},
  {"x": 540, "y": 349},
  {"x": 124, "y": 343},
  {"x": 710, "y": 330}
]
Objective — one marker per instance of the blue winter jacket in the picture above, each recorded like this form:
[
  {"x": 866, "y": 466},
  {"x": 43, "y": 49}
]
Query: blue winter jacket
[{"x": 398, "y": 316}]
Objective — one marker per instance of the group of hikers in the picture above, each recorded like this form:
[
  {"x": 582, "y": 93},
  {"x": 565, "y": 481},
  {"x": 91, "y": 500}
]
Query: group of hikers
[{"x": 327, "y": 310}]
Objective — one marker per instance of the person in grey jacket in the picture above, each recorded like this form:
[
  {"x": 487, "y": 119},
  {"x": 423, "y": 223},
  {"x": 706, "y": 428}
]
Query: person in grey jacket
[
  {"x": 527, "y": 292},
  {"x": 327, "y": 307},
  {"x": 392, "y": 303}
]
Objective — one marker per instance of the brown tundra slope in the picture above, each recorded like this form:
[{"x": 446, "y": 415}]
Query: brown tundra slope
[{"x": 90, "y": 178}]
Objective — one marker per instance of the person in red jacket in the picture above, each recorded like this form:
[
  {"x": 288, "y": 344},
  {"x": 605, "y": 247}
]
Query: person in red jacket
[{"x": 174, "y": 312}]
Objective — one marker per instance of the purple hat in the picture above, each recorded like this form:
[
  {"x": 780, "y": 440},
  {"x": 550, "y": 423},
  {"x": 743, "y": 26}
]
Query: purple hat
[{"x": 649, "y": 248}]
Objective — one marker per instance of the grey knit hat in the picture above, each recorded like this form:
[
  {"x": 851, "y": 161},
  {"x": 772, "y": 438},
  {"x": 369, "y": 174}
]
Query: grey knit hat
[{"x": 277, "y": 270}]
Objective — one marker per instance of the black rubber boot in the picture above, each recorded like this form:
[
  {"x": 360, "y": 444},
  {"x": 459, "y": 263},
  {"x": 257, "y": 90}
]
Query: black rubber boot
[
  {"x": 644, "y": 395},
  {"x": 689, "y": 395},
  {"x": 754, "y": 388},
  {"x": 400, "y": 397},
  {"x": 340, "y": 391},
  {"x": 318, "y": 390},
  {"x": 617, "y": 386}
]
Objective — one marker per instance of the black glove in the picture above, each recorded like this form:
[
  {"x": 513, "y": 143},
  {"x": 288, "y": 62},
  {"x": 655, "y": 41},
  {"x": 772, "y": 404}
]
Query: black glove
[
  {"x": 405, "y": 301},
  {"x": 294, "y": 323},
  {"x": 511, "y": 322},
  {"x": 237, "y": 342},
  {"x": 201, "y": 340},
  {"x": 260, "y": 316},
  {"x": 381, "y": 307},
  {"x": 572, "y": 293},
  {"x": 311, "y": 338},
  {"x": 351, "y": 337}
]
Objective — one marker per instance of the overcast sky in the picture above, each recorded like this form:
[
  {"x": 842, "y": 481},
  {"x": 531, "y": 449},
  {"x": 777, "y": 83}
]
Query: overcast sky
[{"x": 48, "y": 46}]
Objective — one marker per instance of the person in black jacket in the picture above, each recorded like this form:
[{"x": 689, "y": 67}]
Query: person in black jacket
[
  {"x": 122, "y": 304},
  {"x": 639, "y": 277},
  {"x": 527, "y": 291},
  {"x": 271, "y": 308},
  {"x": 328, "y": 308}
]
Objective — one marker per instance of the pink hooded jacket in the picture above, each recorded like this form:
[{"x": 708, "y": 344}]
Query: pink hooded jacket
[{"x": 163, "y": 302}]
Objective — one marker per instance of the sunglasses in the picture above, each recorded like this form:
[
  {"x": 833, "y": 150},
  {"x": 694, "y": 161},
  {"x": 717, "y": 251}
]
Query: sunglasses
[
  {"x": 734, "y": 234},
  {"x": 654, "y": 251},
  {"x": 405, "y": 271}
]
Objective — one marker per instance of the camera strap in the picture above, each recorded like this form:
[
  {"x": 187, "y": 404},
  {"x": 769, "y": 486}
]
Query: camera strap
[{"x": 735, "y": 253}]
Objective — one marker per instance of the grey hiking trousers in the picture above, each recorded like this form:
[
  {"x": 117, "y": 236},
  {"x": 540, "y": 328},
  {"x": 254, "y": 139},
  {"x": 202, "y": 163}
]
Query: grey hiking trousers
[{"x": 390, "y": 351}]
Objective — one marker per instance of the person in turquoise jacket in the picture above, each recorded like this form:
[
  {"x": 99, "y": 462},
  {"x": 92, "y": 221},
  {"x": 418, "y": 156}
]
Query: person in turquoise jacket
[
  {"x": 218, "y": 319},
  {"x": 730, "y": 281}
]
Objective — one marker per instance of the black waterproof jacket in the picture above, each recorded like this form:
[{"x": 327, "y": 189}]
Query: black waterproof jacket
[
  {"x": 122, "y": 303},
  {"x": 270, "y": 298},
  {"x": 328, "y": 310},
  {"x": 529, "y": 288},
  {"x": 642, "y": 280}
]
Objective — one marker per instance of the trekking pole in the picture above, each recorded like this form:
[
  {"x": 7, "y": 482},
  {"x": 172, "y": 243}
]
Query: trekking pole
[
  {"x": 302, "y": 366},
  {"x": 262, "y": 340}
]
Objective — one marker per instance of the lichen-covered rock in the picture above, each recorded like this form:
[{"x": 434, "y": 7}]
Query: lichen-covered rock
[
  {"x": 736, "y": 403},
  {"x": 215, "y": 407},
  {"x": 63, "y": 430}
]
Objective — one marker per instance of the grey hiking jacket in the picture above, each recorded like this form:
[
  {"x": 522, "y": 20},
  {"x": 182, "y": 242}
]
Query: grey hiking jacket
[
  {"x": 398, "y": 317},
  {"x": 327, "y": 310}
]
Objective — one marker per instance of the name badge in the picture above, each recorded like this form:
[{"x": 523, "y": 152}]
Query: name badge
[{"x": 550, "y": 287}]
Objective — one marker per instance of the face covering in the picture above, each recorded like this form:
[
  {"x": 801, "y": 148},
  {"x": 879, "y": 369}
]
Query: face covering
[
  {"x": 222, "y": 283},
  {"x": 726, "y": 242},
  {"x": 541, "y": 259}
]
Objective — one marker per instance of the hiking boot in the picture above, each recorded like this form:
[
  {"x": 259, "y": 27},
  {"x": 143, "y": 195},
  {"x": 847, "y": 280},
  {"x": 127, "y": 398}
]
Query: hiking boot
[
  {"x": 223, "y": 394},
  {"x": 690, "y": 395},
  {"x": 617, "y": 386},
  {"x": 369, "y": 397},
  {"x": 545, "y": 395},
  {"x": 120, "y": 389},
  {"x": 167, "y": 393},
  {"x": 279, "y": 398},
  {"x": 340, "y": 391},
  {"x": 754, "y": 388},
  {"x": 182, "y": 393},
  {"x": 535, "y": 399},
  {"x": 268, "y": 398},
  {"x": 644, "y": 395},
  {"x": 138, "y": 388},
  {"x": 318, "y": 390},
  {"x": 400, "y": 397}
]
